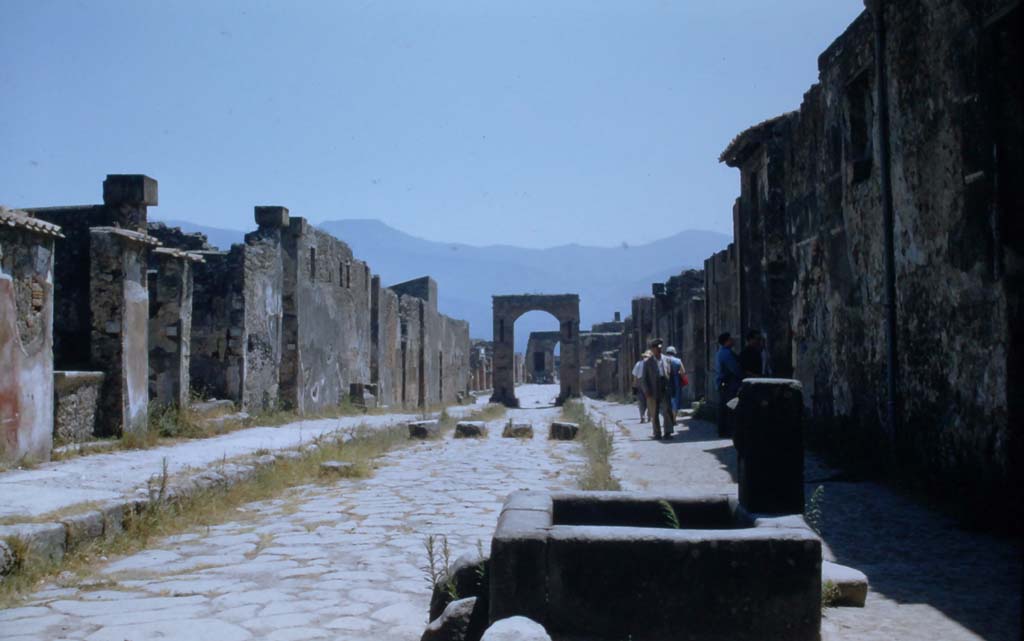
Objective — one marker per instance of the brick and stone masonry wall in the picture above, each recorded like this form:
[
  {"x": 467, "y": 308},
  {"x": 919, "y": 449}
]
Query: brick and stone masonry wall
[
  {"x": 119, "y": 341},
  {"x": 385, "y": 368},
  {"x": 262, "y": 310},
  {"x": 957, "y": 174},
  {"x": 170, "y": 325},
  {"x": 328, "y": 341},
  {"x": 215, "y": 365},
  {"x": 26, "y": 337},
  {"x": 721, "y": 310},
  {"x": 411, "y": 356}
]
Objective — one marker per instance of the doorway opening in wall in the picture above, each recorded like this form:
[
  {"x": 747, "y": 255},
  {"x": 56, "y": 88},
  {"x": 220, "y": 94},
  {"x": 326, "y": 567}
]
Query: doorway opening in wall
[{"x": 538, "y": 345}]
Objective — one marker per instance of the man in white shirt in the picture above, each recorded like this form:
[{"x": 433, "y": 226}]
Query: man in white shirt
[{"x": 638, "y": 385}]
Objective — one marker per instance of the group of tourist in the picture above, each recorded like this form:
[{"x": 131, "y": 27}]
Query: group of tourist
[
  {"x": 659, "y": 381},
  {"x": 660, "y": 377}
]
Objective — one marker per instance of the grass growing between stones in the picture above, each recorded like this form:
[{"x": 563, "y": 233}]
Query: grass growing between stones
[
  {"x": 597, "y": 448},
  {"x": 165, "y": 516}
]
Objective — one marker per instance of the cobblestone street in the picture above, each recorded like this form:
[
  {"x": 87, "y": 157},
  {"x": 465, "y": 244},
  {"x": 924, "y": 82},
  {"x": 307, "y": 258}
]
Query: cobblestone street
[
  {"x": 346, "y": 560},
  {"x": 341, "y": 561}
]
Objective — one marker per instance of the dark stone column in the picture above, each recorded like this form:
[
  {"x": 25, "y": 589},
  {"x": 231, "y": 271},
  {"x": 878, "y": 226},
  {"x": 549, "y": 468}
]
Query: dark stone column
[{"x": 769, "y": 444}]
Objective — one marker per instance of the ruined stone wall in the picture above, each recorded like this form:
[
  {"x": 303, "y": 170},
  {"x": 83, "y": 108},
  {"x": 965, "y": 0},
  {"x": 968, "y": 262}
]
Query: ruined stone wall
[
  {"x": 540, "y": 357},
  {"x": 262, "y": 273},
  {"x": 455, "y": 363},
  {"x": 72, "y": 324},
  {"x": 721, "y": 309},
  {"x": 410, "y": 313},
  {"x": 387, "y": 340},
  {"x": 170, "y": 326},
  {"x": 480, "y": 364},
  {"x": 76, "y": 397},
  {"x": 26, "y": 340},
  {"x": 119, "y": 345},
  {"x": 330, "y": 299},
  {"x": 957, "y": 173},
  {"x": 216, "y": 357}
]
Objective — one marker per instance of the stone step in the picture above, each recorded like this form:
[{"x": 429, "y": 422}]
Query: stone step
[
  {"x": 470, "y": 429},
  {"x": 852, "y": 584}
]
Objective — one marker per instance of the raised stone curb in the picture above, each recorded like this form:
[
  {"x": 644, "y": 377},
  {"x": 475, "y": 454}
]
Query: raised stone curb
[
  {"x": 851, "y": 583},
  {"x": 517, "y": 430},
  {"x": 562, "y": 431},
  {"x": 470, "y": 429},
  {"x": 51, "y": 541},
  {"x": 424, "y": 429},
  {"x": 337, "y": 468},
  {"x": 46, "y": 541}
]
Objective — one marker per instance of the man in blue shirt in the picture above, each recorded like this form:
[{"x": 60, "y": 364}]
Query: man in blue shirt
[{"x": 729, "y": 377}]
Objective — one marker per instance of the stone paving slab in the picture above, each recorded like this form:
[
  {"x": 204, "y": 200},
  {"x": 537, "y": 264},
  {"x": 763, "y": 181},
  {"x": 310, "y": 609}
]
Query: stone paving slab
[{"x": 342, "y": 559}]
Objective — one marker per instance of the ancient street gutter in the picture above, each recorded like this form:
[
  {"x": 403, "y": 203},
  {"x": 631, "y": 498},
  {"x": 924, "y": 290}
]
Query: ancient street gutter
[{"x": 877, "y": 9}]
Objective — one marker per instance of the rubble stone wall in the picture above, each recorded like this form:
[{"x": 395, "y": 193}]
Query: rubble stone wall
[
  {"x": 216, "y": 358},
  {"x": 76, "y": 397},
  {"x": 170, "y": 327}
]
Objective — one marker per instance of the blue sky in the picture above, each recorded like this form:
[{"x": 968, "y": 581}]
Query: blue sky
[{"x": 527, "y": 123}]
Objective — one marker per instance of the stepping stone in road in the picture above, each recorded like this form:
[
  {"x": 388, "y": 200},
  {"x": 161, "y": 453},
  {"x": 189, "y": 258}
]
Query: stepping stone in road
[
  {"x": 337, "y": 468},
  {"x": 424, "y": 429},
  {"x": 562, "y": 431},
  {"x": 470, "y": 429},
  {"x": 517, "y": 430}
]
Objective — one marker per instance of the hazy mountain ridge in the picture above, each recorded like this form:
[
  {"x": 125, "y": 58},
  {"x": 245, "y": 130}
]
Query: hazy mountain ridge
[{"x": 606, "y": 278}]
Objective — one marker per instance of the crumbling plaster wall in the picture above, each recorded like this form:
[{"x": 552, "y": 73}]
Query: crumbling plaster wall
[
  {"x": 26, "y": 344},
  {"x": 170, "y": 326},
  {"x": 330, "y": 293}
]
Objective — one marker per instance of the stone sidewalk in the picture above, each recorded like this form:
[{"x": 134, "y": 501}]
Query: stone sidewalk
[
  {"x": 930, "y": 579},
  {"x": 65, "y": 503},
  {"x": 342, "y": 560}
]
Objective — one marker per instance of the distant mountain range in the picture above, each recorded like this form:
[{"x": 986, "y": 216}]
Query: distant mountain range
[{"x": 606, "y": 278}]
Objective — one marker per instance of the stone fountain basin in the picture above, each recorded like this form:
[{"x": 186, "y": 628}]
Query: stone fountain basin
[{"x": 608, "y": 565}]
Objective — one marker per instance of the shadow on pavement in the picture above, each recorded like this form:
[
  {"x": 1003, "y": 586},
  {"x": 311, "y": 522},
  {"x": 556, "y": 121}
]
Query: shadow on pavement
[{"x": 913, "y": 554}]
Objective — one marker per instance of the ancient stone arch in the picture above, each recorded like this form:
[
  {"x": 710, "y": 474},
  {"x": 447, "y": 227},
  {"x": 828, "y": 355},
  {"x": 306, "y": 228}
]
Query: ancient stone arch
[
  {"x": 540, "y": 357},
  {"x": 565, "y": 308}
]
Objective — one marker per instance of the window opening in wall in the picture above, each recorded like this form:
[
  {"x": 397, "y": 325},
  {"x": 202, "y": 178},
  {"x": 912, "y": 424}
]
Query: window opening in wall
[
  {"x": 341, "y": 274},
  {"x": 312, "y": 263},
  {"x": 348, "y": 275},
  {"x": 860, "y": 112}
]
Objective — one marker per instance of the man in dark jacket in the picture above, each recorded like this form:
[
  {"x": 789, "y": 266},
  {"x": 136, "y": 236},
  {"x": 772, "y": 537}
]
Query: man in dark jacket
[{"x": 658, "y": 392}]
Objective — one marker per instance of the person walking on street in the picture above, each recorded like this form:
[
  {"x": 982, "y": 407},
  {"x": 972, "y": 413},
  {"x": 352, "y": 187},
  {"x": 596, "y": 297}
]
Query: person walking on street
[
  {"x": 676, "y": 374},
  {"x": 751, "y": 361},
  {"x": 658, "y": 392},
  {"x": 638, "y": 386}
]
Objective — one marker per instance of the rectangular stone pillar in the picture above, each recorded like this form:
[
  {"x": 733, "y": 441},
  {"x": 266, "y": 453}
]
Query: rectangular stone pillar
[
  {"x": 26, "y": 336},
  {"x": 770, "y": 446},
  {"x": 119, "y": 306},
  {"x": 170, "y": 325}
]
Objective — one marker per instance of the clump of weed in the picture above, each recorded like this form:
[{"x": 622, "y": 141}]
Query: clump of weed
[{"x": 597, "y": 445}]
